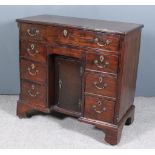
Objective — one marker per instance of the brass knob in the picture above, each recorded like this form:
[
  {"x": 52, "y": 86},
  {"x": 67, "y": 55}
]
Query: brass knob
[
  {"x": 96, "y": 62},
  {"x": 96, "y": 40}
]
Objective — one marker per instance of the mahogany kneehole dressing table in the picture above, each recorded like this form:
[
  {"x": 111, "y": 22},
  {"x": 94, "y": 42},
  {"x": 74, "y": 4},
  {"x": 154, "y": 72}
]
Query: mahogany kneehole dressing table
[{"x": 79, "y": 67}]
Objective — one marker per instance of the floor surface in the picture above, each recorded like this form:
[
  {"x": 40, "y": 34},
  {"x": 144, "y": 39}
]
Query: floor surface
[{"x": 47, "y": 131}]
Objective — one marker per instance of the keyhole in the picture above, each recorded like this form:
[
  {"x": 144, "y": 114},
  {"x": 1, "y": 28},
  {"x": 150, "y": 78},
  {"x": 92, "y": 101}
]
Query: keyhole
[
  {"x": 32, "y": 66},
  {"x": 60, "y": 84},
  {"x": 101, "y": 58},
  {"x": 99, "y": 103},
  {"x": 32, "y": 46},
  {"x": 100, "y": 79}
]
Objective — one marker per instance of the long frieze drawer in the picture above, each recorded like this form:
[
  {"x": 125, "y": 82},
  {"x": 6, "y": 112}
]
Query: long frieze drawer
[
  {"x": 33, "y": 93},
  {"x": 83, "y": 38},
  {"x": 100, "y": 84},
  {"x": 33, "y": 32},
  {"x": 33, "y": 51},
  {"x": 99, "y": 109},
  {"x": 102, "y": 62},
  {"x": 33, "y": 71}
]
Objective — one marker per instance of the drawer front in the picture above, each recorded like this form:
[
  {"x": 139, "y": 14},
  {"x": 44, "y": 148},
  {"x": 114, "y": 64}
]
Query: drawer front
[
  {"x": 102, "y": 62},
  {"x": 83, "y": 38},
  {"x": 100, "y": 84},
  {"x": 33, "y": 93},
  {"x": 65, "y": 51},
  {"x": 33, "y": 32},
  {"x": 33, "y": 71},
  {"x": 99, "y": 109},
  {"x": 33, "y": 51}
]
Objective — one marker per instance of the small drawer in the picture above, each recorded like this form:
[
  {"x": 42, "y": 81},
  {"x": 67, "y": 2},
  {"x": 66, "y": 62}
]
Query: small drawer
[
  {"x": 100, "y": 84},
  {"x": 99, "y": 109},
  {"x": 102, "y": 62},
  {"x": 84, "y": 38},
  {"x": 33, "y": 51},
  {"x": 33, "y": 71},
  {"x": 33, "y": 32},
  {"x": 33, "y": 93}
]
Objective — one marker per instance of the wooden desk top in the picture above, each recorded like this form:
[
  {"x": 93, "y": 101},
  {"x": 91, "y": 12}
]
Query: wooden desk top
[{"x": 90, "y": 24}]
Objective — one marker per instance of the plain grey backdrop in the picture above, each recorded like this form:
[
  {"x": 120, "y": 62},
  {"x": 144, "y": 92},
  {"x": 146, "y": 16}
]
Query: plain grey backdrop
[{"x": 9, "y": 59}]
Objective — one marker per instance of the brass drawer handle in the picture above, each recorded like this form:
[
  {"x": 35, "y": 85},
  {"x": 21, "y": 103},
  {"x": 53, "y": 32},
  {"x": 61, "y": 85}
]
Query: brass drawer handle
[
  {"x": 32, "y": 92},
  {"x": 103, "y": 85},
  {"x": 32, "y": 32},
  {"x": 105, "y": 43},
  {"x": 32, "y": 71},
  {"x": 98, "y": 87},
  {"x": 65, "y": 33},
  {"x": 101, "y": 63},
  {"x": 31, "y": 51},
  {"x": 99, "y": 105}
]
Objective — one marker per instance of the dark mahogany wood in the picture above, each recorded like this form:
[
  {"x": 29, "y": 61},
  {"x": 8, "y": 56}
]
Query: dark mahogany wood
[
  {"x": 33, "y": 51},
  {"x": 33, "y": 93},
  {"x": 99, "y": 108},
  {"x": 73, "y": 36},
  {"x": 112, "y": 131},
  {"x": 23, "y": 110},
  {"x": 68, "y": 84},
  {"x": 84, "y": 38},
  {"x": 33, "y": 71},
  {"x": 67, "y": 51},
  {"x": 128, "y": 73},
  {"x": 101, "y": 84},
  {"x": 83, "y": 23},
  {"x": 102, "y": 61},
  {"x": 33, "y": 32},
  {"x": 79, "y": 67}
]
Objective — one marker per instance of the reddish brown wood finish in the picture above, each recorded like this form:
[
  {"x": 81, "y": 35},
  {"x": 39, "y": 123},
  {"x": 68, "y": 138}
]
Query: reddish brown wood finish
[
  {"x": 33, "y": 32},
  {"x": 33, "y": 93},
  {"x": 67, "y": 51},
  {"x": 84, "y": 38},
  {"x": 101, "y": 84},
  {"x": 108, "y": 55},
  {"x": 69, "y": 95},
  {"x": 113, "y": 132},
  {"x": 33, "y": 51},
  {"x": 73, "y": 36},
  {"x": 128, "y": 73},
  {"x": 23, "y": 110},
  {"x": 99, "y": 108},
  {"x": 33, "y": 71},
  {"x": 101, "y": 61},
  {"x": 82, "y": 23}
]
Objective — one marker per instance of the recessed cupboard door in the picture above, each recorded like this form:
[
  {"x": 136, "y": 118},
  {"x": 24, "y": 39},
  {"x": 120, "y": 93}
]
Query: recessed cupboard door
[{"x": 68, "y": 85}]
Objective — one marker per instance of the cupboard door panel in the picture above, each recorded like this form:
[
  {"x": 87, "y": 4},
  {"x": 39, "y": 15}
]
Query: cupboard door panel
[{"x": 68, "y": 84}]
